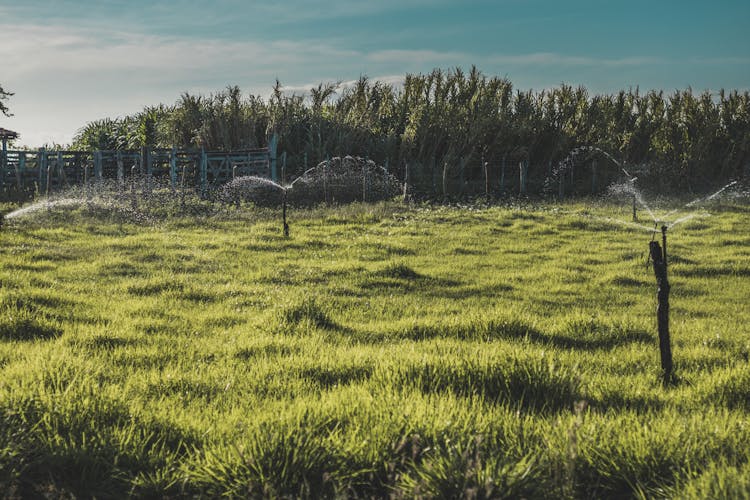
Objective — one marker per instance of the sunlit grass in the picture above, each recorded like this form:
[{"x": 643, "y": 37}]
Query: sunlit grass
[{"x": 380, "y": 350}]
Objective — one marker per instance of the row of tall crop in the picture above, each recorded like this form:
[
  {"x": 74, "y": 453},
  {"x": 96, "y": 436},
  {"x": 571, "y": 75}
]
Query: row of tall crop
[{"x": 448, "y": 124}]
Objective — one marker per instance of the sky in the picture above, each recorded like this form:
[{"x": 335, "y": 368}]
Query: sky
[{"x": 71, "y": 62}]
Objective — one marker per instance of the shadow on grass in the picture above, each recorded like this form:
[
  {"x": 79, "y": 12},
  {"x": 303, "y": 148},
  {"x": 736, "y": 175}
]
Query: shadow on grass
[
  {"x": 402, "y": 278},
  {"x": 529, "y": 383},
  {"x": 328, "y": 377},
  {"x": 20, "y": 327},
  {"x": 586, "y": 337},
  {"x": 61, "y": 448}
]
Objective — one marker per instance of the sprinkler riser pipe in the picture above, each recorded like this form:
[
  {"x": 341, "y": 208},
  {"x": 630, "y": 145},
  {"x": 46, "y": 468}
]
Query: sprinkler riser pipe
[{"x": 283, "y": 215}]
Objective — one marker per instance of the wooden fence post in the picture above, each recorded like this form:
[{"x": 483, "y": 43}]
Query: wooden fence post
[
  {"x": 60, "y": 165},
  {"x": 3, "y": 162},
  {"x": 445, "y": 181},
  {"x": 272, "y": 145},
  {"x": 325, "y": 180},
  {"x": 406, "y": 182},
  {"x": 204, "y": 173},
  {"x": 523, "y": 168},
  {"x": 486, "y": 166},
  {"x": 21, "y": 168},
  {"x": 173, "y": 168},
  {"x": 659, "y": 259},
  {"x": 502, "y": 175},
  {"x": 41, "y": 163},
  {"x": 133, "y": 191},
  {"x": 386, "y": 175},
  {"x": 593, "y": 177},
  {"x": 120, "y": 171},
  {"x": 364, "y": 180},
  {"x": 98, "y": 165}
]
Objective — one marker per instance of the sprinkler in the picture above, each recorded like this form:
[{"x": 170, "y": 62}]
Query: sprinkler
[{"x": 635, "y": 198}]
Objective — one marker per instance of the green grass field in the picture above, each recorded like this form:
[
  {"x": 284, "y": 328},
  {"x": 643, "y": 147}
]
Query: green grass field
[{"x": 379, "y": 351}]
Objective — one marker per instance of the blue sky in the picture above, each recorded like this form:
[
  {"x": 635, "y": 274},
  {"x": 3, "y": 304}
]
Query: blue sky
[{"x": 70, "y": 62}]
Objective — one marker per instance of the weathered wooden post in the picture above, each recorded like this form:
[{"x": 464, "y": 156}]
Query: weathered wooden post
[
  {"x": 272, "y": 146},
  {"x": 502, "y": 174},
  {"x": 385, "y": 179},
  {"x": 445, "y": 181},
  {"x": 86, "y": 188},
  {"x": 283, "y": 168},
  {"x": 406, "y": 182},
  {"x": 133, "y": 187},
  {"x": 49, "y": 179},
  {"x": 204, "y": 173},
  {"x": 173, "y": 169},
  {"x": 146, "y": 169},
  {"x": 3, "y": 161},
  {"x": 20, "y": 169},
  {"x": 98, "y": 173},
  {"x": 61, "y": 169},
  {"x": 325, "y": 180},
  {"x": 523, "y": 169},
  {"x": 364, "y": 180},
  {"x": 120, "y": 171},
  {"x": 182, "y": 189},
  {"x": 659, "y": 259},
  {"x": 593, "y": 177},
  {"x": 486, "y": 166},
  {"x": 41, "y": 168}
]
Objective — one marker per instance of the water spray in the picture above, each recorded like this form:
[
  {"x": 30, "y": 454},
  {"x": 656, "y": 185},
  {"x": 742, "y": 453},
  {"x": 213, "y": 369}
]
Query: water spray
[{"x": 711, "y": 196}]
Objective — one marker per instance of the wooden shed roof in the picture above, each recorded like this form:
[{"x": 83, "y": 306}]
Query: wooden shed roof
[{"x": 8, "y": 134}]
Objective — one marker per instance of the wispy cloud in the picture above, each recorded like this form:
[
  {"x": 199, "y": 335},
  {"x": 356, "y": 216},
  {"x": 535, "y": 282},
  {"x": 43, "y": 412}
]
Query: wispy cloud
[
  {"x": 550, "y": 58},
  {"x": 32, "y": 48}
]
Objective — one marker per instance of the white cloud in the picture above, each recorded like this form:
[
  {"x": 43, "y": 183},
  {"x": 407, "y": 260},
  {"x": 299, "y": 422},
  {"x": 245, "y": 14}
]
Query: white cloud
[{"x": 32, "y": 49}]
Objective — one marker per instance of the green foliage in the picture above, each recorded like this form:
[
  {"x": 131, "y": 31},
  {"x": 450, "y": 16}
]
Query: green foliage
[
  {"x": 444, "y": 124},
  {"x": 4, "y": 95},
  {"x": 380, "y": 351}
]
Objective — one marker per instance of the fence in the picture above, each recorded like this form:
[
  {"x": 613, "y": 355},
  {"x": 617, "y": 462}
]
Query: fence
[{"x": 44, "y": 171}]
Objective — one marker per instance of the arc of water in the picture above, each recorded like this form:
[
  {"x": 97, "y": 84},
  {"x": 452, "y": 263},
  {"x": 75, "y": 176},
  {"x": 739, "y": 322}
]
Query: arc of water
[{"x": 701, "y": 199}]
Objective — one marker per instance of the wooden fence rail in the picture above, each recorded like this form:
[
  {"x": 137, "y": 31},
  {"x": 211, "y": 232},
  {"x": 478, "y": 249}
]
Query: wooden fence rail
[{"x": 46, "y": 170}]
